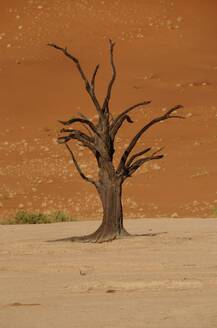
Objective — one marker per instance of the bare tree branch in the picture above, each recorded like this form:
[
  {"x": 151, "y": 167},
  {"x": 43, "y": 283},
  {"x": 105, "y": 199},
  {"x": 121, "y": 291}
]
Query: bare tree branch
[
  {"x": 137, "y": 155},
  {"x": 88, "y": 130},
  {"x": 126, "y": 111},
  {"x": 94, "y": 78},
  {"x": 83, "y": 75},
  {"x": 87, "y": 119},
  {"x": 131, "y": 168},
  {"x": 83, "y": 121},
  {"x": 76, "y": 134},
  {"x": 105, "y": 106},
  {"x": 118, "y": 121},
  {"x": 135, "y": 166},
  {"x": 118, "y": 125},
  {"x": 85, "y": 140},
  {"x": 83, "y": 116},
  {"x": 132, "y": 144},
  {"x": 111, "y": 117},
  {"x": 78, "y": 167}
]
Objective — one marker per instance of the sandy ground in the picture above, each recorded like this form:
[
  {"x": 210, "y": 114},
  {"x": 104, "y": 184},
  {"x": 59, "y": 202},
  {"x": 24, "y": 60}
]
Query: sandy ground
[
  {"x": 165, "y": 52},
  {"x": 166, "y": 281}
]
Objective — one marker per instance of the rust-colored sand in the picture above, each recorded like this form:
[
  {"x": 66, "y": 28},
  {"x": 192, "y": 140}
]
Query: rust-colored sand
[{"x": 165, "y": 52}]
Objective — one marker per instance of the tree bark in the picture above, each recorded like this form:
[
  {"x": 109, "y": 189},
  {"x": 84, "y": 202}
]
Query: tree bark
[{"x": 110, "y": 193}]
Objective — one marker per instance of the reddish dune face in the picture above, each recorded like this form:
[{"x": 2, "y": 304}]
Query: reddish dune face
[{"x": 165, "y": 52}]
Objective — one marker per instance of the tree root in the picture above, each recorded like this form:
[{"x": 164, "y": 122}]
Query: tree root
[
  {"x": 102, "y": 235},
  {"x": 99, "y": 236}
]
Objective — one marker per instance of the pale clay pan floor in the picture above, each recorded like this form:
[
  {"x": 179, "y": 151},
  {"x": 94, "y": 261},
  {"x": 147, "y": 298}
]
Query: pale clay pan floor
[{"x": 166, "y": 281}]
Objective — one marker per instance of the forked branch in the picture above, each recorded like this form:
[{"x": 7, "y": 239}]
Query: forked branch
[
  {"x": 119, "y": 120},
  {"x": 117, "y": 126},
  {"x": 131, "y": 168},
  {"x": 85, "y": 140},
  {"x": 78, "y": 167},
  {"x": 132, "y": 158},
  {"x": 88, "y": 86},
  {"x": 132, "y": 144}
]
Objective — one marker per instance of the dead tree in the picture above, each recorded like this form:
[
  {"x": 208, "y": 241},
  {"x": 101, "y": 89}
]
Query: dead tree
[{"x": 100, "y": 141}]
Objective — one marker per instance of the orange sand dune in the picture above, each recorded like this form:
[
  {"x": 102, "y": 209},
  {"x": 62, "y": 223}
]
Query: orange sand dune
[{"x": 165, "y": 52}]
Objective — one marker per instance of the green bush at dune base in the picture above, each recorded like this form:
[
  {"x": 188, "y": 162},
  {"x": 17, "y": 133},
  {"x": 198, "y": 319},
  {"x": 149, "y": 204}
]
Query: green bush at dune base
[
  {"x": 215, "y": 212},
  {"x": 24, "y": 217}
]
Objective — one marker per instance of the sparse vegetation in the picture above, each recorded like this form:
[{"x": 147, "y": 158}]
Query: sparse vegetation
[
  {"x": 214, "y": 212},
  {"x": 24, "y": 217}
]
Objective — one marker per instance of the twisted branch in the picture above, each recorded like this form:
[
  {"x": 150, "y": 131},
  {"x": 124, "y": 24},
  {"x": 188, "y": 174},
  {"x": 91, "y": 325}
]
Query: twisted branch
[
  {"x": 137, "y": 155},
  {"x": 88, "y": 86},
  {"x": 130, "y": 169},
  {"x": 132, "y": 144},
  {"x": 85, "y": 140},
  {"x": 78, "y": 167}
]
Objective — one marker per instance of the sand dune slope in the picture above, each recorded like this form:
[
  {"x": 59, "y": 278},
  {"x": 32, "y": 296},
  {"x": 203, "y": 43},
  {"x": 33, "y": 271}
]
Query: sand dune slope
[{"x": 165, "y": 52}]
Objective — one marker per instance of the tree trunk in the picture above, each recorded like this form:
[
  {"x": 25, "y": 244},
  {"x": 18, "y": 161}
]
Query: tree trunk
[
  {"x": 111, "y": 228},
  {"x": 110, "y": 193}
]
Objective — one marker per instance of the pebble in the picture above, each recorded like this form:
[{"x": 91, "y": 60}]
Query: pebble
[
  {"x": 156, "y": 167},
  {"x": 179, "y": 19}
]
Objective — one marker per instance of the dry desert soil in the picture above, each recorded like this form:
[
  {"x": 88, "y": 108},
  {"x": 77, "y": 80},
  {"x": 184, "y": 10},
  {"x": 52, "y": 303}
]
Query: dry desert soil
[{"x": 166, "y": 281}]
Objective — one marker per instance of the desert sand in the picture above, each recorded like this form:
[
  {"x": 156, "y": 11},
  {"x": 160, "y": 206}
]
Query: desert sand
[
  {"x": 166, "y": 281},
  {"x": 165, "y": 52}
]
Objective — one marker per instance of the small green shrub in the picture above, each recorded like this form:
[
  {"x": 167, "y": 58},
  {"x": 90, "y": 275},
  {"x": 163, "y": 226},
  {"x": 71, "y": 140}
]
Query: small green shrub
[
  {"x": 24, "y": 217},
  {"x": 214, "y": 213}
]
